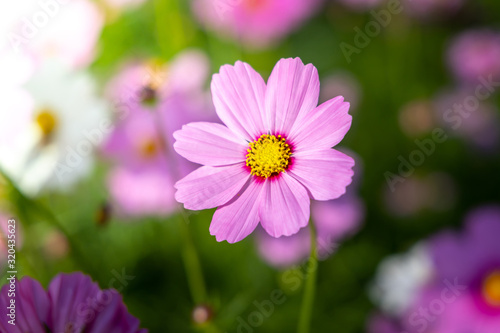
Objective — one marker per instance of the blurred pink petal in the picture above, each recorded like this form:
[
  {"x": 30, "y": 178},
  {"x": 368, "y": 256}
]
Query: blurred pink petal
[{"x": 257, "y": 23}]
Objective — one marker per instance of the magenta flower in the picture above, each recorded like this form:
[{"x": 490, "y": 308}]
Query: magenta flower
[
  {"x": 475, "y": 54},
  {"x": 473, "y": 259},
  {"x": 254, "y": 22},
  {"x": 72, "y": 303},
  {"x": 460, "y": 290},
  {"x": 273, "y": 155},
  {"x": 451, "y": 284}
]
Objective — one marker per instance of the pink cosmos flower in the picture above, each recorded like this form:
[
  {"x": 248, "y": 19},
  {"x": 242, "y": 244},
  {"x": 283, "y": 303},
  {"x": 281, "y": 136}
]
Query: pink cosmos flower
[
  {"x": 273, "y": 156},
  {"x": 254, "y": 22},
  {"x": 152, "y": 101},
  {"x": 475, "y": 54}
]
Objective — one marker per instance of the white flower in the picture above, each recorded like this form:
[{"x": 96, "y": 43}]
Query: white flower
[
  {"x": 399, "y": 278},
  {"x": 50, "y": 129},
  {"x": 66, "y": 30}
]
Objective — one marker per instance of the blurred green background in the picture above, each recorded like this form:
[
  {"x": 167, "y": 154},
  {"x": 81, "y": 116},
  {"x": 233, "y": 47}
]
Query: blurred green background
[{"x": 405, "y": 62}]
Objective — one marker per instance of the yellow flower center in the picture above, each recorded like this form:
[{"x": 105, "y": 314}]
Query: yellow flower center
[
  {"x": 47, "y": 122},
  {"x": 148, "y": 148},
  {"x": 268, "y": 155},
  {"x": 491, "y": 288}
]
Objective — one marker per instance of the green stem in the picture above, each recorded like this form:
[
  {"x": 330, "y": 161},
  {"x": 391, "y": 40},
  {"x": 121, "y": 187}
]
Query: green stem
[
  {"x": 310, "y": 287},
  {"x": 189, "y": 254},
  {"x": 26, "y": 206},
  {"x": 192, "y": 263}
]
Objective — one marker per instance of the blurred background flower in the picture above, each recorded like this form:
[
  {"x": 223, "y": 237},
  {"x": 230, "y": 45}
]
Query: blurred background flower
[
  {"x": 152, "y": 101},
  {"x": 256, "y": 23},
  {"x": 49, "y": 140},
  {"x": 72, "y": 303},
  {"x": 474, "y": 54},
  {"x": 450, "y": 283}
]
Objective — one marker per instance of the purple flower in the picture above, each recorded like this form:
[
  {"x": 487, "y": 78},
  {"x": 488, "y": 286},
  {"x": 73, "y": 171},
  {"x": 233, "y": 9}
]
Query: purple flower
[
  {"x": 254, "y": 22},
  {"x": 465, "y": 116},
  {"x": 475, "y": 54},
  {"x": 463, "y": 294},
  {"x": 72, "y": 303},
  {"x": 273, "y": 156}
]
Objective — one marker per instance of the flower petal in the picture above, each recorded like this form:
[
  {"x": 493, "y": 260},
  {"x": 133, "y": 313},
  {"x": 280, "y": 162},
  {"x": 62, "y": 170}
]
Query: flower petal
[
  {"x": 209, "y": 187},
  {"x": 285, "y": 206},
  {"x": 209, "y": 144},
  {"x": 292, "y": 91},
  {"x": 325, "y": 173},
  {"x": 324, "y": 128},
  {"x": 32, "y": 307},
  {"x": 238, "y": 93},
  {"x": 240, "y": 216},
  {"x": 69, "y": 295},
  {"x": 113, "y": 317}
]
